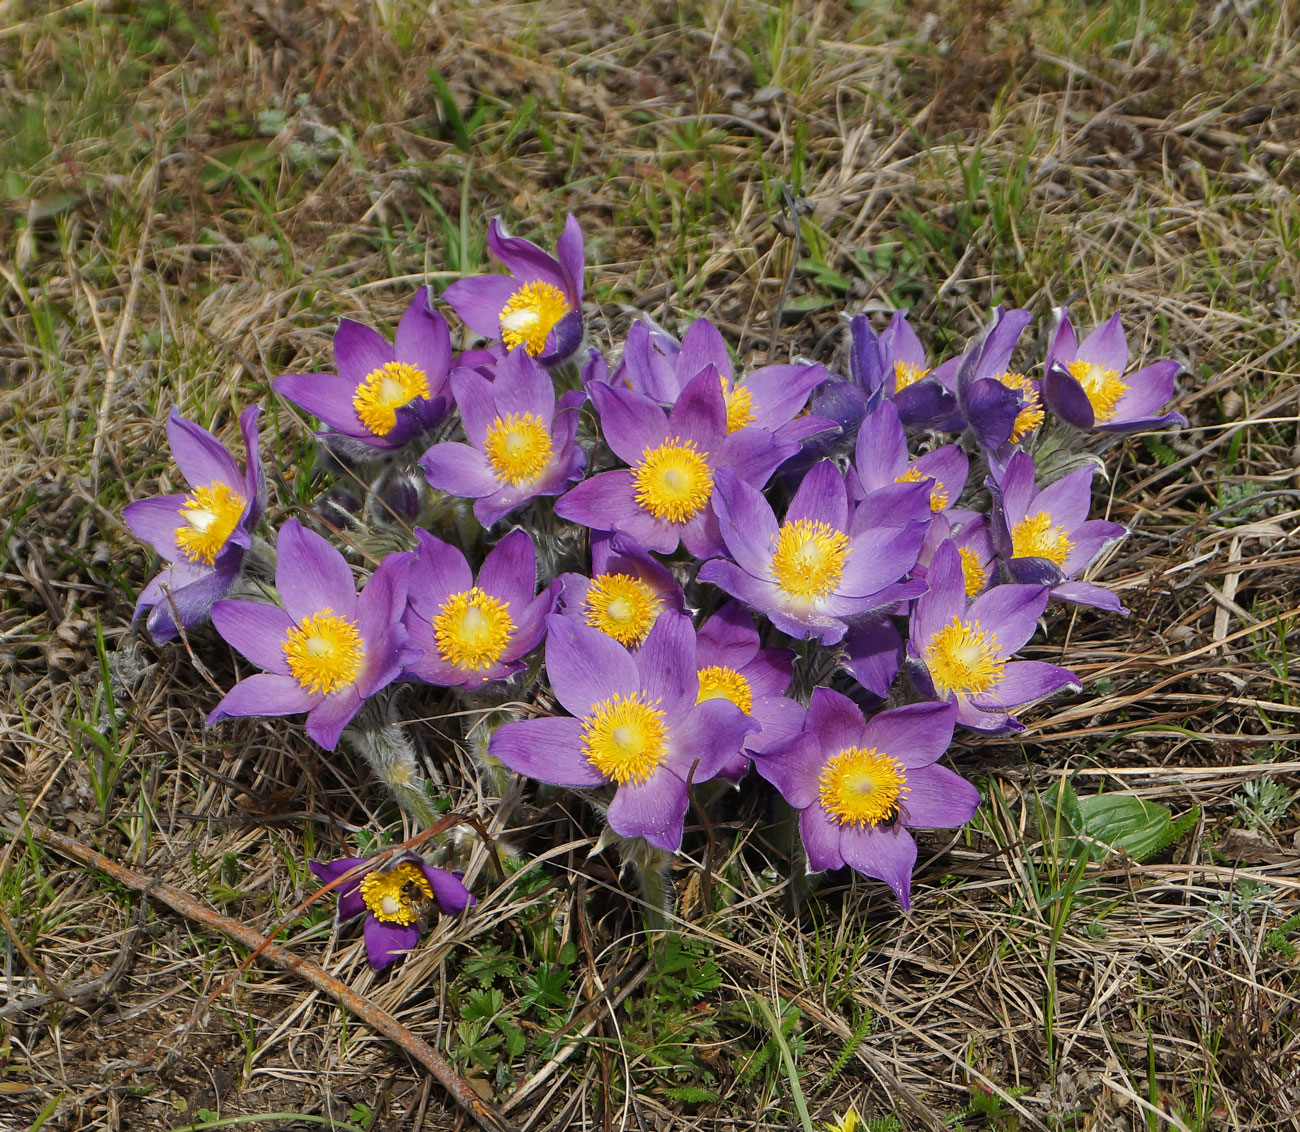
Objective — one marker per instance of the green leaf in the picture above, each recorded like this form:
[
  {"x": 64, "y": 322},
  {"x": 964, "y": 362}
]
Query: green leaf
[
  {"x": 1121, "y": 821},
  {"x": 690, "y": 1094}
]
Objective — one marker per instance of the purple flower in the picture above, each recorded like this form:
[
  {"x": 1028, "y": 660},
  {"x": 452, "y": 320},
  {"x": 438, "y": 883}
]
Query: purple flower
[
  {"x": 635, "y": 721},
  {"x": 538, "y": 305},
  {"x": 626, "y": 592},
  {"x": 397, "y": 898},
  {"x": 472, "y": 631},
  {"x": 859, "y": 784},
  {"x": 663, "y": 498},
  {"x": 327, "y": 650},
  {"x": 382, "y": 395},
  {"x": 1046, "y": 537},
  {"x": 520, "y": 447},
  {"x": 201, "y": 535},
  {"x": 818, "y": 569},
  {"x": 963, "y": 652},
  {"x": 970, "y": 533},
  {"x": 881, "y": 458},
  {"x": 1086, "y": 386},
  {"x": 1001, "y": 406},
  {"x": 893, "y": 367}
]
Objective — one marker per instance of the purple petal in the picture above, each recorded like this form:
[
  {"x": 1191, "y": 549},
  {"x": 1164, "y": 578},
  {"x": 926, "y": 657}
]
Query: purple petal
[
  {"x": 1088, "y": 539},
  {"x": 874, "y": 653},
  {"x": 880, "y": 455},
  {"x": 654, "y": 809},
  {"x": 780, "y": 391},
  {"x": 948, "y": 467},
  {"x": 821, "y": 498},
  {"x": 1149, "y": 390},
  {"x": 585, "y": 666},
  {"x": 708, "y": 737},
  {"x": 423, "y": 340},
  {"x": 630, "y": 422},
  {"x": 1010, "y": 611},
  {"x": 1065, "y": 397},
  {"x": 326, "y": 397},
  {"x": 1017, "y": 487},
  {"x": 1067, "y": 500},
  {"x": 478, "y": 301},
  {"x": 448, "y": 889},
  {"x": 938, "y": 799},
  {"x": 793, "y": 767},
  {"x": 702, "y": 346},
  {"x": 388, "y": 942},
  {"x": 523, "y": 386},
  {"x": 571, "y": 252},
  {"x": 257, "y": 630},
  {"x": 887, "y": 853},
  {"x": 915, "y": 735},
  {"x": 700, "y": 414},
  {"x": 945, "y": 600},
  {"x": 835, "y": 720},
  {"x": 476, "y": 398},
  {"x": 727, "y": 638},
  {"x": 439, "y": 570},
  {"x": 201, "y": 457},
  {"x": 1085, "y": 593},
  {"x": 524, "y": 259},
  {"x": 310, "y": 575},
  {"x": 1065, "y": 346},
  {"x": 186, "y": 592},
  {"x": 1024, "y": 681},
  {"x": 821, "y": 838},
  {"x": 666, "y": 662},
  {"x": 459, "y": 470},
  {"x": 509, "y": 571},
  {"x": 359, "y": 350},
  {"x": 325, "y": 722},
  {"x": 1106, "y": 346},
  {"x": 155, "y": 521},
  {"x": 549, "y": 750},
  {"x": 265, "y": 693}
]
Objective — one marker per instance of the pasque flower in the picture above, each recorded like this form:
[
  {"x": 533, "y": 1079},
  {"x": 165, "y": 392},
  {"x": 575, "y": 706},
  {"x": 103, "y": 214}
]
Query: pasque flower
[
  {"x": 201, "y": 535},
  {"x": 1002, "y": 407},
  {"x": 538, "y": 305},
  {"x": 881, "y": 458},
  {"x": 893, "y": 367},
  {"x": 636, "y": 721},
  {"x": 859, "y": 784},
  {"x": 397, "y": 898},
  {"x": 383, "y": 395},
  {"x": 627, "y": 590},
  {"x": 327, "y": 650}
]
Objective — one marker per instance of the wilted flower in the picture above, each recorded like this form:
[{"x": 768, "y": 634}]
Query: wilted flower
[
  {"x": 201, "y": 535},
  {"x": 626, "y": 592},
  {"x": 881, "y": 458}
]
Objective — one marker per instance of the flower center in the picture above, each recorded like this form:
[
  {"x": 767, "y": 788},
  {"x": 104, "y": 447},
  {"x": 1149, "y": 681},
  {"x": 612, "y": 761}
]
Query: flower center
[
  {"x": 1102, "y": 385},
  {"x": 674, "y": 481},
  {"x": 398, "y": 895},
  {"x": 392, "y": 386},
  {"x": 809, "y": 558},
  {"x": 208, "y": 516},
  {"x": 972, "y": 571},
  {"x": 531, "y": 314},
  {"x": 862, "y": 787},
  {"x": 623, "y": 607},
  {"x": 1031, "y": 405},
  {"x": 938, "y": 493},
  {"x": 1036, "y": 537},
  {"x": 963, "y": 658},
  {"x": 324, "y": 651},
  {"x": 740, "y": 405},
  {"x": 718, "y": 682},
  {"x": 472, "y": 629},
  {"x": 518, "y": 447},
  {"x": 905, "y": 374},
  {"x": 623, "y": 738}
]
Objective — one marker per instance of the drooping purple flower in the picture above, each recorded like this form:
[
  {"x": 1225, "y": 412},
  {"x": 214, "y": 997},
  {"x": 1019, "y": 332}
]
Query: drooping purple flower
[
  {"x": 635, "y": 722},
  {"x": 382, "y": 396},
  {"x": 961, "y": 653},
  {"x": 662, "y": 499},
  {"x": 627, "y": 591},
  {"x": 521, "y": 443},
  {"x": 474, "y": 630},
  {"x": 327, "y": 650},
  {"x": 538, "y": 304},
  {"x": 820, "y": 567},
  {"x": 859, "y": 784},
  {"x": 893, "y": 367},
  {"x": 202, "y": 535},
  {"x": 397, "y": 898},
  {"x": 1046, "y": 538},
  {"x": 881, "y": 458},
  {"x": 1085, "y": 383}
]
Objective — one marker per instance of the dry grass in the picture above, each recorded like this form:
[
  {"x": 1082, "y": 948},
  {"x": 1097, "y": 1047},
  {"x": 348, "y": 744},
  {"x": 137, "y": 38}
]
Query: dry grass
[{"x": 190, "y": 201}]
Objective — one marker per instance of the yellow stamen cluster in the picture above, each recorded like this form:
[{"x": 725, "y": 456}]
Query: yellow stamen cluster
[
  {"x": 625, "y": 738},
  {"x": 1031, "y": 412},
  {"x": 391, "y": 387},
  {"x": 740, "y": 405},
  {"x": 1102, "y": 385},
  {"x": 673, "y": 481},
  {"x": 518, "y": 447},
  {"x": 972, "y": 571},
  {"x": 938, "y": 493},
  {"x": 862, "y": 787},
  {"x": 622, "y": 606},
  {"x": 398, "y": 895},
  {"x": 1036, "y": 537},
  {"x": 324, "y": 651},
  {"x": 531, "y": 314},
  {"x": 808, "y": 561},
  {"x": 718, "y": 682},
  {"x": 905, "y": 374},
  {"x": 963, "y": 658},
  {"x": 472, "y": 629},
  {"x": 209, "y": 516}
]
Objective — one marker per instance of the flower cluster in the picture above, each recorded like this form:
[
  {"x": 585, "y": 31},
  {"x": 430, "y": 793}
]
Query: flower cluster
[{"x": 691, "y": 570}]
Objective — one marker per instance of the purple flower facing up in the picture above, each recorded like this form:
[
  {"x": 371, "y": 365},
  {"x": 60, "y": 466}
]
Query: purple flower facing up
[
  {"x": 202, "y": 535},
  {"x": 627, "y": 591},
  {"x": 328, "y": 649},
  {"x": 397, "y": 898},
  {"x": 520, "y": 446},
  {"x": 382, "y": 395},
  {"x": 472, "y": 631},
  {"x": 1085, "y": 383},
  {"x": 1046, "y": 537},
  {"x": 538, "y": 305},
  {"x": 859, "y": 784},
  {"x": 893, "y": 367},
  {"x": 881, "y": 458},
  {"x": 818, "y": 569},
  {"x": 636, "y": 722},
  {"x": 962, "y": 652}
]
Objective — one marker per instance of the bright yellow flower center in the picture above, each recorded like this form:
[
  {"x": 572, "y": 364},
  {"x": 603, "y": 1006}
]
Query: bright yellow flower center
[
  {"x": 531, "y": 314},
  {"x": 972, "y": 571},
  {"x": 398, "y": 895},
  {"x": 324, "y": 651},
  {"x": 208, "y": 516},
  {"x": 809, "y": 558},
  {"x": 938, "y": 493},
  {"x": 623, "y": 607},
  {"x": 963, "y": 658},
  {"x": 1102, "y": 385},
  {"x": 905, "y": 374},
  {"x": 472, "y": 629},
  {"x": 847, "y": 1123},
  {"x": 623, "y": 738},
  {"x": 673, "y": 482},
  {"x": 391, "y": 387},
  {"x": 740, "y": 405},
  {"x": 862, "y": 787},
  {"x": 518, "y": 447},
  {"x": 1035, "y": 537},
  {"x": 1031, "y": 412},
  {"x": 718, "y": 682}
]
